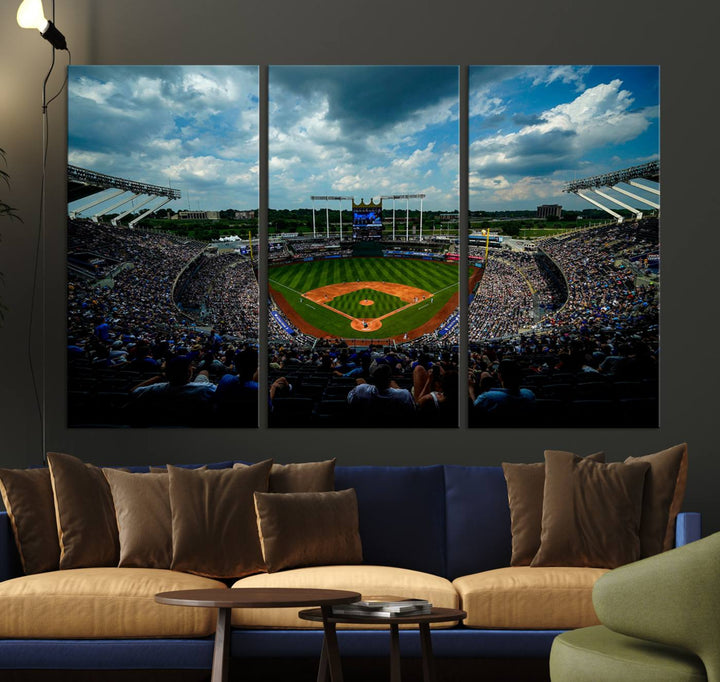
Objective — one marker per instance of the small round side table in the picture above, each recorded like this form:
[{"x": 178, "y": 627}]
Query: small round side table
[
  {"x": 259, "y": 598},
  {"x": 330, "y": 647}
]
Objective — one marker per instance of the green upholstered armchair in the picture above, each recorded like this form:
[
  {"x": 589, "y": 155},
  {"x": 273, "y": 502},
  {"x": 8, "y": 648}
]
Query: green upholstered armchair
[{"x": 661, "y": 622}]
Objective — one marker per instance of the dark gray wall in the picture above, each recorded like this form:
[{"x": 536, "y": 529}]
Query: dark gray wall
[{"x": 681, "y": 39}]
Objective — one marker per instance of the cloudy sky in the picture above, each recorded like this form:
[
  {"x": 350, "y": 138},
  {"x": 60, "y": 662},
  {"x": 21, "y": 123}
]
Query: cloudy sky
[
  {"x": 534, "y": 128},
  {"x": 192, "y": 127},
  {"x": 363, "y": 131}
]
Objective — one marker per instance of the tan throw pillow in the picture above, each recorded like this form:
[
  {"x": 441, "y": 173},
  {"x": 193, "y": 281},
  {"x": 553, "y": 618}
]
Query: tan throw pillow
[
  {"x": 142, "y": 508},
  {"x": 214, "y": 532},
  {"x": 28, "y": 498},
  {"x": 308, "y": 529},
  {"x": 525, "y": 484},
  {"x": 84, "y": 511},
  {"x": 300, "y": 477},
  {"x": 663, "y": 498},
  {"x": 591, "y": 512}
]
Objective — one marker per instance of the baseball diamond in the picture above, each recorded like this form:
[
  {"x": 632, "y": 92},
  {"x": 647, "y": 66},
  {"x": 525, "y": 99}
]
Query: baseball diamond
[
  {"x": 366, "y": 297},
  {"x": 362, "y": 302}
]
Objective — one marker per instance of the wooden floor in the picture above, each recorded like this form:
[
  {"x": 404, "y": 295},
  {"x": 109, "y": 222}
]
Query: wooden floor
[{"x": 305, "y": 670}]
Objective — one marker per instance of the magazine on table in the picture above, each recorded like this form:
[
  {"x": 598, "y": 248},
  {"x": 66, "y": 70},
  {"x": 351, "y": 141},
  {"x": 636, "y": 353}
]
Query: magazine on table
[{"x": 383, "y": 607}]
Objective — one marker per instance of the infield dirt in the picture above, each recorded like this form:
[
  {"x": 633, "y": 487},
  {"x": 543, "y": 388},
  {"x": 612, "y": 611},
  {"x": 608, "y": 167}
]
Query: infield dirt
[{"x": 399, "y": 290}]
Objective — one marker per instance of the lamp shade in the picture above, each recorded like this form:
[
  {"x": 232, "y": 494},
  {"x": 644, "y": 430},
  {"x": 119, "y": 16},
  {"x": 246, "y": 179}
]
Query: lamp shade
[{"x": 30, "y": 14}]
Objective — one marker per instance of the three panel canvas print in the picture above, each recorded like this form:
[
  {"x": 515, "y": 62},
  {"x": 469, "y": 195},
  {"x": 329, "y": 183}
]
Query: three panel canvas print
[{"x": 363, "y": 247}]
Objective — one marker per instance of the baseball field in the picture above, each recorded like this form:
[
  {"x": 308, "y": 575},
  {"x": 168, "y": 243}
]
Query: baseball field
[{"x": 373, "y": 298}]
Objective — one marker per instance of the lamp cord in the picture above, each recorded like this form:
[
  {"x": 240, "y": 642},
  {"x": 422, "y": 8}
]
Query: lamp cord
[{"x": 40, "y": 259}]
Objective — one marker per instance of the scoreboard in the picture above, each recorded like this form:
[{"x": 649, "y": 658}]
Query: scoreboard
[{"x": 367, "y": 220}]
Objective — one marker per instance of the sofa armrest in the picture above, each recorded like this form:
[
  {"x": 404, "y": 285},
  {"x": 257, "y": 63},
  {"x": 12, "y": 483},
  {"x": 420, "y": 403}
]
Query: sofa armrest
[
  {"x": 688, "y": 528},
  {"x": 10, "y": 566},
  {"x": 672, "y": 598}
]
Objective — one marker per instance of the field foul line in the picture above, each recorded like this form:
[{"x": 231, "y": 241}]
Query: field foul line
[
  {"x": 449, "y": 286},
  {"x": 335, "y": 310},
  {"x": 285, "y": 286}
]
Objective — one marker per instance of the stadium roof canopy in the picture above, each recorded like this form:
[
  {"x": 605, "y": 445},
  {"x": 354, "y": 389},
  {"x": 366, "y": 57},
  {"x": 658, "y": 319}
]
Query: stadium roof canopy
[
  {"x": 83, "y": 183},
  {"x": 100, "y": 189},
  {"x": 606, "y": 187},
  {"x": 647, "y": 171}
]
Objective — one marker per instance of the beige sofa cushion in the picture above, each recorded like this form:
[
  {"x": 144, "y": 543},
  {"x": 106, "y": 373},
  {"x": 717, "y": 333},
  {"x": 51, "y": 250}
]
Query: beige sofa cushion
[
  {"x": 97, "y": 603},
  {"x": 529, "y": 598},
  {"x": 368, "y": 580}
]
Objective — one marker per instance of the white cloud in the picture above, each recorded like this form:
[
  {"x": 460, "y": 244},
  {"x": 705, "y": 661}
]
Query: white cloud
[
  {"x": 196, "y": 127},
  {"x": 565, "y": 73},
  {"x": 420, "y": 157},
  {"x": 320, "y": 143},
  {"x": 95, "y": 91},
  {"x": 483, "y": 104},
  {"x": 496, "y": 183},
  {"x": 600, "y": 116},
  {"x": 529, "y": 188}
]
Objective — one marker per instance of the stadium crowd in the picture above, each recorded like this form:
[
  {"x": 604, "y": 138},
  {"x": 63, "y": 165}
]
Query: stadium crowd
[
  {"x": 515, "y": 288},
  {"x": 318, "y": 247},
  {"x": 593, "y": 361},
  {"x": 326, "y": 382},
  {"x": 133, "y": 358},
  {"x": 221, "y": 291},
  {"x": 586, "y": 304}
]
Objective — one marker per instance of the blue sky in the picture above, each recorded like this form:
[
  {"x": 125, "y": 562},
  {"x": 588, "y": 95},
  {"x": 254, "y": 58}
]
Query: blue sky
[
  {"x": 193, "y": 127},
  {"x": 534, "y": 128},
  {"x": 363, "y": 131}
]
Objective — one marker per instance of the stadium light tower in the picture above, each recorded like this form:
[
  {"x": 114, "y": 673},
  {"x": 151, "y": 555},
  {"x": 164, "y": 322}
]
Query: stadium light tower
[
  {"x": 407, "y": 198},
  {"x": 407, "y": 219},
  {"x": 393, "y": 197},
  {"x": 327, "y": 218}
]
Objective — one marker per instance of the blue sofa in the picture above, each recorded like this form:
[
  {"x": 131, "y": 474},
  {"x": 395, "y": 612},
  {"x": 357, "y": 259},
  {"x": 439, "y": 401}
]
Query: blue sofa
[{"x": 448, "y": 521}]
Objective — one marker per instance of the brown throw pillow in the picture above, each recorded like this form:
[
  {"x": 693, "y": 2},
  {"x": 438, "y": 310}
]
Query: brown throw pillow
[
  {"x": 28, "y": 498},
  {"x": 591, "y": 512},
  {"x": 214, "y": 532},
  {"x": 84, "y": 512},
  {"x": 142, "y": 508},
  {"x": 308, "y": 529},
  {"x": 663, "y": 498},
  {"x": 525, "y": 484},
  {"x": 301, "y": 477},
  {"x": 163, "y": 469}
]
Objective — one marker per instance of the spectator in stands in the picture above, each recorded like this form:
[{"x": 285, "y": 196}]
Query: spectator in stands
[
  {"x": 215, "y": 368},
  {"x": 102, "y": 330},
  {"x": 117, "y": 354},
  {"x": 236, "y": 396},
  {"x": 437, "y": 397},
  {"x": 381, "y": 402},
  {"x": 181, "y": 400},
  {"x": 508, "y": 405},
  {"x": 143, "y": 357}
]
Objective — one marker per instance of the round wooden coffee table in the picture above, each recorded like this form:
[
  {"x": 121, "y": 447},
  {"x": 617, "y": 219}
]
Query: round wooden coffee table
[
  {"x": 257, "y": 598},
  {"x": 330, "y": 650}
]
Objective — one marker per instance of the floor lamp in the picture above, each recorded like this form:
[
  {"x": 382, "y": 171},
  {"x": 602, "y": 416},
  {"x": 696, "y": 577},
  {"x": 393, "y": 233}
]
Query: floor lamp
[{"x": 30, "y": 14}]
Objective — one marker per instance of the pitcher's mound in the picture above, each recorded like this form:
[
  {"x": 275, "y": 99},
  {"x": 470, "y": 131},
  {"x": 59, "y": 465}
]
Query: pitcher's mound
[
  {"x": 367, "y": 301},
  {"x": 366, "y": 325}
]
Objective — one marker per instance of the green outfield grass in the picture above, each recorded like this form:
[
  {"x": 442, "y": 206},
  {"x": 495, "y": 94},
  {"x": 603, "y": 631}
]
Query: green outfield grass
[
  {"x": 382, "y": 303},
  {"x": 440, "y": 279}
]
